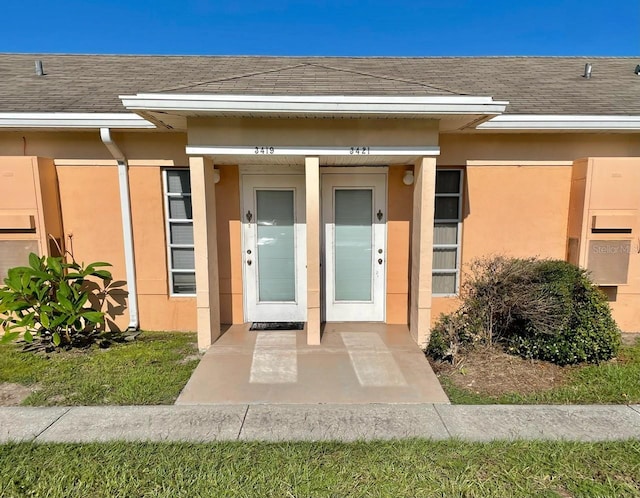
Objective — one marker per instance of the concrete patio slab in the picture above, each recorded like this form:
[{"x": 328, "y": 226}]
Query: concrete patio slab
[
  {"x": 547, "y": 422},
  {"x": 25, "y": 423},
  {"x": 358, "y": 363},
  {"x": 146, "y": 423},
  {"x": 341, "y": 422}
]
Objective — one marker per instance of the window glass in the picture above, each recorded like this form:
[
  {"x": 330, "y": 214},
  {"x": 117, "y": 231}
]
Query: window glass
[
  {"x": 444, "y": 283},
  {"x": 181, "y": 233},
  {"x": 447, "y": 208},
  {"x": 448, "y": 181},
  {"x": 184, "y": 283},
  {"x": 180, "y": 208},
  {"x": 178, "y": 181},
  {"x": 179, "y": 219},
  {"x": 445, "y": 259},
  {"x": 353, "y": 238},
  {"x": 446, "y": 232},
  {"x": 276, "y": 245}
]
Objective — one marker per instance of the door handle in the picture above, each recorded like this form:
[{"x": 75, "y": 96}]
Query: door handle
[
  {"x": 379, "y": 261},
  {"x": 249, "y": 262}
]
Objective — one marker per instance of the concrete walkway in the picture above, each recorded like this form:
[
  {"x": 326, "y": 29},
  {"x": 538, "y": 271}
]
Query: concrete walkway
[
  {"x": 357, "y": 363},
  {"x": 205, "y": 423}
]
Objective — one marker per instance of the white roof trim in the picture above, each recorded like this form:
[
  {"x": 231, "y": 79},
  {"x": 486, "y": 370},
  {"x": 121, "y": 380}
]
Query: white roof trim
[
  {"x": 278, "y": 150},
  {"x": 298, "y": 104},
  {"x": 81, "y": 120},
  {"x": 558, "y": 122}
]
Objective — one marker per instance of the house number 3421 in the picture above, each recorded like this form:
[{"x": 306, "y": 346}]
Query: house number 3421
[{"x": 363, "y": 151}]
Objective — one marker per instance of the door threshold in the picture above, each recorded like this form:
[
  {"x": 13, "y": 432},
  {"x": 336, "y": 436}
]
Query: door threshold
[{"x": 258, "y": 326}]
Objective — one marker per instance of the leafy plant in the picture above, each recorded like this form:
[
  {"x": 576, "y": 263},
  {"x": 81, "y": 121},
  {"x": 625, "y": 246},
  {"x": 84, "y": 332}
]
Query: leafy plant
[
  {"x": 49, "y": 303},
  {"x": 543, "y": 309}
]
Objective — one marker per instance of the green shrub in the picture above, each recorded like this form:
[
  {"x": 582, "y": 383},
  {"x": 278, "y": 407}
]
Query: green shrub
[
  {"x": 543, "y": 309},
  {"x": 587, "y": 333},
  {"x": 49, "y": 303}
]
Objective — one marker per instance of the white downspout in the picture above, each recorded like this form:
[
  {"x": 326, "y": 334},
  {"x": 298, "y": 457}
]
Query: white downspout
[{"x": 127, "y": 229}]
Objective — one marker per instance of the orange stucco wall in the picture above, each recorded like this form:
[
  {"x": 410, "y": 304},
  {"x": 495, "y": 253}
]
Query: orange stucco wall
[
  {"x": 168, "y": 147},
  {"x": 512, "y": 210},
  {"x": 457, "y": 149},
  {"x": 400, "y": 206},
  {"x": 29, "y": 202},
  {"x": 157, "y": 310},
  {"x": 511, "y": 207},
  {"x": 99, "y": 237},
  {"x": 608, "y": 189},
  {"x": 93, "y": 228},
  {"x": 229, "y": 245},
  {"x": 516, "y": 211}
]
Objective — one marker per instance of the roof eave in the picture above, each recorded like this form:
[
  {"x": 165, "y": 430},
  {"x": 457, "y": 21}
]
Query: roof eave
[
  {"x": 73, "y": 120},
  {"x": 554, "y": 122},
  {"x": 326, "y": 106}
]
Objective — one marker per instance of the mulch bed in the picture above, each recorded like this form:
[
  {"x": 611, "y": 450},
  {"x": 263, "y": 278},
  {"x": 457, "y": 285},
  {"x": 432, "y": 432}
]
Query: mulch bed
[{"x": 490, "y": 371}]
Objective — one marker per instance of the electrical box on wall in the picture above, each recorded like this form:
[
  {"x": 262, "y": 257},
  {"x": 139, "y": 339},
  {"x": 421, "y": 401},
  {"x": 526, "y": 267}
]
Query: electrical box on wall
[
  {"x": 30, "y": 219},
  {"x": 603, "y": 220}
]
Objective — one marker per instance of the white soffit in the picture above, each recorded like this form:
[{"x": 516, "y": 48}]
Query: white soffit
[
  {"x": 277, "y": 150},
  {"x": 200, "y": 104},
  {"x": 78, "y": 120},
  {"x": 551, "y": 122}
]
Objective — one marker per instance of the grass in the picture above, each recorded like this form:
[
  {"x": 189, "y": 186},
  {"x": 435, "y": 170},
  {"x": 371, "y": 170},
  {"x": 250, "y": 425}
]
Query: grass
[
  {"x": 615, "y": 382},
  {"x": 400, "y": 468},
  {"x": 149, "y": 371}
]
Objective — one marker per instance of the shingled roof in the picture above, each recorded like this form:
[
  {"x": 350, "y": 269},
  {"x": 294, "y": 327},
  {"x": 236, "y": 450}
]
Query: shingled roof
[{"x": 532, "y": 85}]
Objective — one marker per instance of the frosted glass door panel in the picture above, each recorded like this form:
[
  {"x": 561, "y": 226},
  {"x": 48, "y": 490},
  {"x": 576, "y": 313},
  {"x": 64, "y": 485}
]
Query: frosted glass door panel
[
  {"x": 353, "y": 243},
  {"x": 276, "y": 245}
]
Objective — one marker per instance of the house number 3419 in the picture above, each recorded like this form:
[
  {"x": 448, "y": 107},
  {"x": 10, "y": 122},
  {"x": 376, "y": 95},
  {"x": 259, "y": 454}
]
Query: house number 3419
[{"x": 264, "y": 150}]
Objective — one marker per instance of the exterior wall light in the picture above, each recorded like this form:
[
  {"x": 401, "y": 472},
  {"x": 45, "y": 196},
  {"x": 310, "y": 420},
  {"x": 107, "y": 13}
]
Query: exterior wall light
[
  {"x": 216, "y": 176},
  {"x": 407, "y": 179}
]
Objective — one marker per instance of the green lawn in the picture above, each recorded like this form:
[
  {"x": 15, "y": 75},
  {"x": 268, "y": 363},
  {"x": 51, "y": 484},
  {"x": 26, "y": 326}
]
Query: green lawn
[
  {"x": 152, "y": 370},
  {"x": 403, "y": 468},
  {"x": 613, "y": 382}
]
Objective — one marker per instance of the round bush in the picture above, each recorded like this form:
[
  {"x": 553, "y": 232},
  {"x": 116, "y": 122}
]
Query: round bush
[
  {"x": 543, "y": 309},
  {"x": 586, "y": 332}
]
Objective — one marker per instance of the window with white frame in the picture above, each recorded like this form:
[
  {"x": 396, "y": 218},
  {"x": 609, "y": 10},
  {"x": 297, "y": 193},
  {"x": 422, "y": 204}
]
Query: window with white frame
[
  {"x": 446, "y": 232},
  {"x": 179, "y": 228}
]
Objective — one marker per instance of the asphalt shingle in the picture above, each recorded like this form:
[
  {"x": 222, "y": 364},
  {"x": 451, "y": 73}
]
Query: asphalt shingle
[{"x": 533, "y": 85}]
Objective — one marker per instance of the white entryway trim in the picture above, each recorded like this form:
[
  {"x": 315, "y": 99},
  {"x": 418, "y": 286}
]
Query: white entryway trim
[
  {"x": 277, "y": 150},
  {"x": 314, "y": 104}
]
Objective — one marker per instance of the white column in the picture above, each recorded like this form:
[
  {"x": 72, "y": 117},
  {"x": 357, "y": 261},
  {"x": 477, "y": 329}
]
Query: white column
[
  {"x": 312, "y": 178},
  {"x": 203, "y": 199},
  {"x": 422, "y": 249}
]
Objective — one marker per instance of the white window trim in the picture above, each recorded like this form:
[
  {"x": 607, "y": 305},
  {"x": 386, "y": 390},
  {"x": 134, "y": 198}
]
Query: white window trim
[
  {"x": 458, "y": 244},
  {"x": 166, "y": 196}
]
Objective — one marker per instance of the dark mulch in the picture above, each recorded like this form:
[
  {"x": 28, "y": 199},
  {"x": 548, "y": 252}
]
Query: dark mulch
[{"x": 491, "y": 371}]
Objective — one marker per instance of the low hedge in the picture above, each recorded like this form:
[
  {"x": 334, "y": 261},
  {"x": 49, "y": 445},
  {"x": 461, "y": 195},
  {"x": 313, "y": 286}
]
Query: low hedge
[{"x": 535, "y": 308}]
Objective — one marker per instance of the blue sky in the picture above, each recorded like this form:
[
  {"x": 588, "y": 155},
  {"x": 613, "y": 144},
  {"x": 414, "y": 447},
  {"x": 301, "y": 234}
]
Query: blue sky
[{"x": 331, "y": 27}]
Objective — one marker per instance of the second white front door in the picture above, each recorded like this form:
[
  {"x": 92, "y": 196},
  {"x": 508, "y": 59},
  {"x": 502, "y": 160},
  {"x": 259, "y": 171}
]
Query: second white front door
[
  {"x": 274, "y": 248},
  {"x": 354, "y": 231}
]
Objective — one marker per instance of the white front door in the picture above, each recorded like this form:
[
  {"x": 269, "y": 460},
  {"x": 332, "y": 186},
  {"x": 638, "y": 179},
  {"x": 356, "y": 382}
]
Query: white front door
[
  {"x": 354, "y": 220},
  {"x": 274, "y": 248}
]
